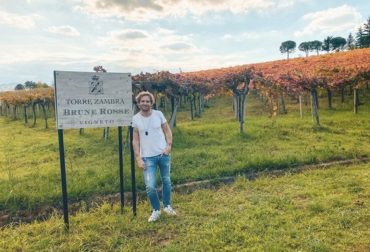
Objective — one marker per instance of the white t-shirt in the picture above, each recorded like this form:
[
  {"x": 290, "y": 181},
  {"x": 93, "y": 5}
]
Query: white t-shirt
[{"x": 151, "y": 135}]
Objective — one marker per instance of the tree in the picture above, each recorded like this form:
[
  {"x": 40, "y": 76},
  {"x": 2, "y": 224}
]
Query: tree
[
  {"x": 41, "y": 85},
  {"x": 30, "y": 84},
  {"x": 338, "y": 43},
  {"x": 19, "y": 87},
  {"x": 326, "y": 45},
  {"x": 304, "y": 47},
  {"x": 366, "y": 33},
  {"x": 315, "y": 45},
  {"x": 287, "y": 47},
  {"x": 360, "y": 38},
  {"x": 350, "y": 42},
  {"x": 100, "y": 69}
]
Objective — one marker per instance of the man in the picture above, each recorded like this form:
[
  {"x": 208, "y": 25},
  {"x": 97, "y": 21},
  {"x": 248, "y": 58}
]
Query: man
[{"x": 152, "y": 140}]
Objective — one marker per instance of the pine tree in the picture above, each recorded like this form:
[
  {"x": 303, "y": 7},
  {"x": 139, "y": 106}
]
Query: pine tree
[
  {"x": 338, "y": 43},
  {"x": 360, "y": 38},
  {"x": 287, "y": 47},
  {"x": 366, "y": 33},
  {"x": 326, "y": 45},
  {"x": 315, "y": 45},
  {"x": 304, "y": 47},
  {"x": 350, "y": 42}
]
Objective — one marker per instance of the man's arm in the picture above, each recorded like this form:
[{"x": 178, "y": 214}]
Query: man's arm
[
  {"x": 168, "y": 134},
  {"x": 136, "y": 144}
]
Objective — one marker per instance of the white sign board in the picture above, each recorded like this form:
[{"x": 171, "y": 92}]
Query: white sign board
[{"x": 92, "y": 100}]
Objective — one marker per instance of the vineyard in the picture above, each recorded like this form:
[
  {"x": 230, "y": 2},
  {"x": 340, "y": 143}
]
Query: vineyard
[
  {"x": 16, "y": 103},
  {"x": 252, "y": 123},
  {"x": 273, "y": 81},
  {"x": 205, "y": 148},
  {"x": 251, "y": 131}
]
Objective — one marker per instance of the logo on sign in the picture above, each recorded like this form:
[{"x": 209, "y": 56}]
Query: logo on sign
[{"x": 96, "y": 86}]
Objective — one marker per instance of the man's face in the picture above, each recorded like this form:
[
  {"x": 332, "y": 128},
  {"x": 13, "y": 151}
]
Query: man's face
[{"x": 145, "y": 104}]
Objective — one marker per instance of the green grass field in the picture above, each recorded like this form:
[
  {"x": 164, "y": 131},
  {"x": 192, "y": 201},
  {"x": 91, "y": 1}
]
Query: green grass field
[
  {"x": 208, "y": 147},
  {"x": 315, "y": 210}
]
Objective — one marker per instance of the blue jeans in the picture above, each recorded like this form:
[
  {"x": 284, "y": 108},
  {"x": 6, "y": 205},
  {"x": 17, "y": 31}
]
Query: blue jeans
[{"x": 164, "y": 164}]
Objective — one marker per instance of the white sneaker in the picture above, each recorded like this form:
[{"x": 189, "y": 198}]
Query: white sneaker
[
  {"x": 154, "y": 216},
  {"x": 168, "y": 210}
]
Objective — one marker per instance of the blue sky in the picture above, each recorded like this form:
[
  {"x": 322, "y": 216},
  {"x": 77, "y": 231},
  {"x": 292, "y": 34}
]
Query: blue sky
[{"x": 39, "y": 36}]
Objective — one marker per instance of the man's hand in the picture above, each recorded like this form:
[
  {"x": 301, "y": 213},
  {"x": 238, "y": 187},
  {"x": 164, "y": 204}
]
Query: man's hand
[
  {"x": 136, "y": 144},
  {"x": 167, "y": 150},
  {"x": 168, "y": 134},
  {"x": 141, "y": 164}
]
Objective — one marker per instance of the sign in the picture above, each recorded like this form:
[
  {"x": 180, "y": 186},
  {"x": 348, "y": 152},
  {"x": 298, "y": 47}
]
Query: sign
[{"x": 92, "y": 100}]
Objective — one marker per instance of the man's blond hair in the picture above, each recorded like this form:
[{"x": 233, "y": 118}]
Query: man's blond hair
[{"x": 144, "y": 93}]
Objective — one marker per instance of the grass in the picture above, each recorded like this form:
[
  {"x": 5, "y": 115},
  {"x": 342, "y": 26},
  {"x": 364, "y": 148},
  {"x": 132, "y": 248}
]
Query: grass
[
  {"x": 208, "y": 147},
  {"x": 316, "y": 210}
]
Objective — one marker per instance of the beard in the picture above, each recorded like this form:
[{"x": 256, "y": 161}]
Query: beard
[{"x": 145, "y": 108}]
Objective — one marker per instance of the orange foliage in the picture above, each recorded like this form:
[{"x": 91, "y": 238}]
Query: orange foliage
[
  {"x": 294, "y": 75},
  {"x": 23, "y": 97}
]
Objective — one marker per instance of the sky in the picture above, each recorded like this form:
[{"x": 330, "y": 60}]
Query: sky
[{"x": 40, "y": 36}]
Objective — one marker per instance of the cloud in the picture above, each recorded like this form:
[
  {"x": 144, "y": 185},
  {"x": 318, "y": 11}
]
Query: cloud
[
  {"x": 162, "y": 41},
  {"x": 65, "y": 30},
  {"x": 48, "y": 53},
  {"x": 7, "y": 87},
  {"x": 160, "y": 48},
  {"x": 187, "y": 62},
  {"x": 145, "y": 10},
  {"x": 18, "y": 21},
  {"x": 165, "y": 49},
  {"x": 177, "y": 46},
  {"x": 127, "y": 5},
  {"x": 331, "y": 21},
  {"x": 251, "y": 35},
  {"x": 286, "y": 4},
  {"x": 130, "y": 34}
]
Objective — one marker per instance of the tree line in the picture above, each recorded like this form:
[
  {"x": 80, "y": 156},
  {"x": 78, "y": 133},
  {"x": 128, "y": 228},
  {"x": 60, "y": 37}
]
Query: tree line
[
  {"x": 31, "y": 85},
  {"x": 331, "y": 43}
]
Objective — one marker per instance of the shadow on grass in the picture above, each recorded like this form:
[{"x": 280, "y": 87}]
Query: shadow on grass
[
  {"x": 322, "y": 129},
  {"x": 245, "y": 136}
]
